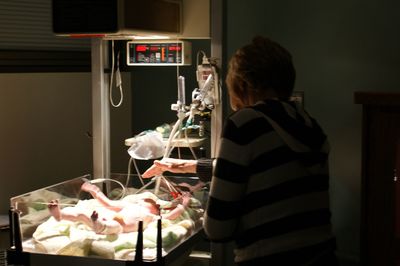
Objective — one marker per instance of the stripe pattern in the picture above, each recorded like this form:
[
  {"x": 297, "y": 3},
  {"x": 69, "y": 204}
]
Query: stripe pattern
[{"x": 269, "y": 191}]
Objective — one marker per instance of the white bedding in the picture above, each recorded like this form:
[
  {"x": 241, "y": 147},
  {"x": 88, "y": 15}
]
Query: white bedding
[{"x": 76, "y": 239}]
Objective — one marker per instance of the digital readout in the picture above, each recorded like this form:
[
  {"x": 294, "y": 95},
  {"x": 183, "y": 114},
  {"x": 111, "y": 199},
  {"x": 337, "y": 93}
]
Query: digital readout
[{"x": 155, "y": 53}]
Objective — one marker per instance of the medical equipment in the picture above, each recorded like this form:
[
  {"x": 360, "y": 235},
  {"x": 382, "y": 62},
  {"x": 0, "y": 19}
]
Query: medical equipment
[
  {"x": 158, "y": 53},
  {"x": 208, "y": 93},
  {"x": 203, "y": 98}
]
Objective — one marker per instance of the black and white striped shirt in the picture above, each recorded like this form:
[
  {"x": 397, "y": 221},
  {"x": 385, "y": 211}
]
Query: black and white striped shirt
[{"x": 269, "y": 191}]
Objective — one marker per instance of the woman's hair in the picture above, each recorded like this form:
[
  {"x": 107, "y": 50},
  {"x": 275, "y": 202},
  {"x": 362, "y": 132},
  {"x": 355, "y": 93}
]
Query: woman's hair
[{"x": 260, "y": 68}]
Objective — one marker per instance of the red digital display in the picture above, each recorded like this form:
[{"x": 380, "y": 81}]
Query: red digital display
[
  {"x": 141, "y": 48},
  {"x": 174, "y": 48},
  {"x": 156, "y": 53},
  {"x": 154, "y": 48}
]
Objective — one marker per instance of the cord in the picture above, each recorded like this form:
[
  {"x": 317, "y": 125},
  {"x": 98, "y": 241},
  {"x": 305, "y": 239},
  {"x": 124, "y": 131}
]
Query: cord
[
  {"x": 129, "y": 172},
  {"x": 197, "y": 56},
  {"x": 189, "y": 145},
  {"x": 177, "y": 64},
  {"x": 117, "y": 78},
  {"x": 99, "y": 180}
]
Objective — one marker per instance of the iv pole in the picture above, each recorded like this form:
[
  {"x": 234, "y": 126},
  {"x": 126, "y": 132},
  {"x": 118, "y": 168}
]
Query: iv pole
[
  {"x": 100, "y": 109},
  {"x": 222, "y": 254}
]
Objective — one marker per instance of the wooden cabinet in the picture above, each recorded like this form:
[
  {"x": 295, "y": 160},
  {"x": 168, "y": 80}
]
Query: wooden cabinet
[
  {"x": 380, "y": 206},
  {"x": 397, "y": 206}
]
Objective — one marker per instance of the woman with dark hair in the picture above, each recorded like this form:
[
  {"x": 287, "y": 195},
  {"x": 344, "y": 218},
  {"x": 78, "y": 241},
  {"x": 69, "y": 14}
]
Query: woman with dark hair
[{"x": 270, "y": 179}]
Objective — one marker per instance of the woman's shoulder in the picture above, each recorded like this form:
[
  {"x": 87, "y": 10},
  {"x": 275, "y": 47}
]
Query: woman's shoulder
[{"x": 244, "y": 115}]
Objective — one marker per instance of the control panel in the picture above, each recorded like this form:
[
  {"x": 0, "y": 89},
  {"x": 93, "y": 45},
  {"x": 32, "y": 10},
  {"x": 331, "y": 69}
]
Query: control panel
[{"x": 158, "y": 53}]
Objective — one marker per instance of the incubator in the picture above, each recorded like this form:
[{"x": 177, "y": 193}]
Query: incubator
[
  {"x": 38, "y": 233},
  {"x": 69, "y": 223}
]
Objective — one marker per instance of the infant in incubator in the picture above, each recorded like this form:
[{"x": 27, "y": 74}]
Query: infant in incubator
[{"x": 116, "y": 216}]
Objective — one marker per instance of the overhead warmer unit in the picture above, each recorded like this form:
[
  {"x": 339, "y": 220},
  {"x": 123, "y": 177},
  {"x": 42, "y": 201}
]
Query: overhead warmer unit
[{"x": 132, "y": 18}]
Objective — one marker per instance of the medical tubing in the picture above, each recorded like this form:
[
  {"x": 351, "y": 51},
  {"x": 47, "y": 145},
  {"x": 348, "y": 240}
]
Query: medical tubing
[
  {"x": 168, "y": 148},
  {"x": 167, "y": 153},
  {"x": 129, "y": 172},
  {"x": 172, "y": 135},
  {"x": 145, "y": 186},
  {"x": 188, "y": 123},
  {"x": 173, "y": 146},
  {"x": 138, "y": 172},
  {"x": 189, "y": 145},
  {"x": 198, "y": 54},
  {"x": 99, "y": 180},
  {"x": 112, "y": 78},
  {"x": 112, "y": 73}
]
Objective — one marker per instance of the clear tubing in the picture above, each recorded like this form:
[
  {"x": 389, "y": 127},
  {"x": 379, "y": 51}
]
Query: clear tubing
[{"x": 174, "y": 133}]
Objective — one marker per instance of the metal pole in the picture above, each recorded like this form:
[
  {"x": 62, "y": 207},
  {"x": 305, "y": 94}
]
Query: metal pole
[
  {"x": 221, "y": 254},
  {"x": 216, "y": 51},
  {"x": 100, "y": 109}
]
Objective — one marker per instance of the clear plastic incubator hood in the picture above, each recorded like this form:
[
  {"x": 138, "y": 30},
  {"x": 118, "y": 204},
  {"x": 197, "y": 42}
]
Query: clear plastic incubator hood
[
  {"x": 106, "y": 222},
  {"x": 149, "y": 19}
]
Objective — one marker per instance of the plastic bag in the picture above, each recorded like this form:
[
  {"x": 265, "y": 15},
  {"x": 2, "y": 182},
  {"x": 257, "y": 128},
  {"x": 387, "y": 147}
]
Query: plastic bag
[{"x": 147, "y": 145}]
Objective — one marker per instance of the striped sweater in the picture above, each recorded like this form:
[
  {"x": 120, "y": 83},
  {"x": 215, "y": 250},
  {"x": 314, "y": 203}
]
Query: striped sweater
[{"x": 269, "y": 191}]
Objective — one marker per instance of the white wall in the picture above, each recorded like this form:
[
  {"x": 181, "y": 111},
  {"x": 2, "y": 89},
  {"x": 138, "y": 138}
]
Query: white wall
[{"x": 44, "y": 121}]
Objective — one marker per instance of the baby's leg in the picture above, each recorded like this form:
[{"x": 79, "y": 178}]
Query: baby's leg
[
  {"x": 104, "y": 226},
  {"x": 175, "y": 213},
  {"x": 68, "y": 213}
]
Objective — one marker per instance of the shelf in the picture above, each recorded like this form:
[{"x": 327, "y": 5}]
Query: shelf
[
  {"x": 377, "y": 98},
  {"x": 179, "y": 143}
]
